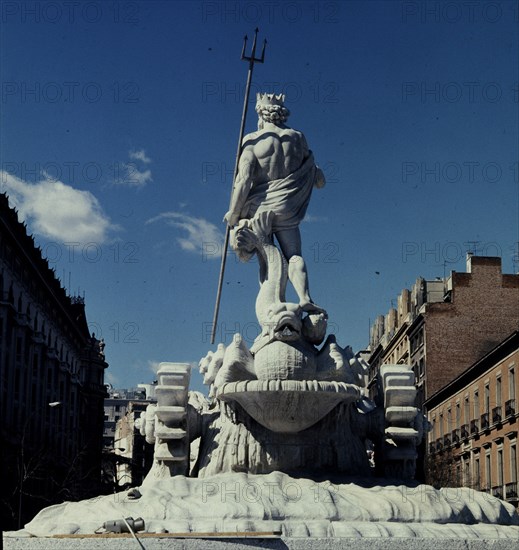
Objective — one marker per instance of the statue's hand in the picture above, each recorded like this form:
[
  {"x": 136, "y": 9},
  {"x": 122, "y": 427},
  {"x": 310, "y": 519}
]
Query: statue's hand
[{"x": 231, "y": 218}]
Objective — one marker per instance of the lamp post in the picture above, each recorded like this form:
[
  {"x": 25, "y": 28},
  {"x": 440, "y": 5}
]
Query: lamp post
[{"x": 23, "y": 476}]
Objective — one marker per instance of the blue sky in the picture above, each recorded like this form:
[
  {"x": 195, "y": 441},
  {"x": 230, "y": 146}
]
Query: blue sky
[{"x": 120, "y": 126}]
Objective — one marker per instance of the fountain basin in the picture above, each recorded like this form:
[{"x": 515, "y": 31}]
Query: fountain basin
[{"x": 288, "y": 406}]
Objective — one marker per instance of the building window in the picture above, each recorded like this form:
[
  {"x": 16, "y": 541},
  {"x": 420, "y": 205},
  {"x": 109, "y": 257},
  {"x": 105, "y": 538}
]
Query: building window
[
  {"x": 441, "y": 425},
  {"x": 511, "y": 383},
  {"x": 477, "y": 473},
  {"x": 500, "y": 475},
  {"x": 458, "y": 416},
  {"x": 513, "y": 464},
  {"x": 488, "y": 471},
  {"x": 467, "y": 480},
  {"x": 498, "y": 391},
  {"x": 466, "y": 410},
  {"x": 487, "y": 398},
  {"x": 476, "y": 405}
]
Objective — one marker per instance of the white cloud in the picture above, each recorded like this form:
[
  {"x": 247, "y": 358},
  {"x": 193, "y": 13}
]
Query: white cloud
[
  {"x": 133, "y": 177},
  {"x": 154, "y": 366},
  {"x": 130, "y": 174},
  {"x": 56, "y": 210},
  {"x": 111, "y": 379},
  {"x": 202, "y": 236},
  {"x": 140, "y": 155}
]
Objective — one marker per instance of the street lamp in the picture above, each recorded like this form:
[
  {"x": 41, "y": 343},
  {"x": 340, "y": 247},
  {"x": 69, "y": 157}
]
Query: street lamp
[{"x": 52, "y": 404}]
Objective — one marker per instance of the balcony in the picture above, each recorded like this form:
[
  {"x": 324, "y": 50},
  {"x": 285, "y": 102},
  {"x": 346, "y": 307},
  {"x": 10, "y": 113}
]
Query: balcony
[
  {"x": 455, "y": 436},
  {"x": 497, "y": 414},
  {"x": 510, "y": 408},
  {"x": 511, "y": 491},
  {"x": 465, "y": 431},
  {"x": 446, "y": 440},
  {"x": 497, "y": 491},
  {"x": 37, "y": 337},
  {"x": 439, "y": 444},
  {"x": 432, "y": 447},
  {"x": 474, "y": 428},
  {"x": 484, "y": 421}
]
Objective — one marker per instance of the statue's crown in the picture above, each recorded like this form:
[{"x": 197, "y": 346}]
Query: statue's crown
[{"x": 270, "y": 99}]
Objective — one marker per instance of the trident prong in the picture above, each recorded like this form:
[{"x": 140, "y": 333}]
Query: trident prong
[
  {"x": 251, "y": 59},
  {"x": 244, "y": 46}
]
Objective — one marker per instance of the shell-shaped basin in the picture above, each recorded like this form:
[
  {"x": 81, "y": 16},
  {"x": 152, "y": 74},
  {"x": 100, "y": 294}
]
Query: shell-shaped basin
[{"x": 288, "y": 406}]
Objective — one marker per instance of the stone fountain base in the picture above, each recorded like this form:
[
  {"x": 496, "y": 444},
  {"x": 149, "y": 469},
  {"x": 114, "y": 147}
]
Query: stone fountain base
[{"x": 240, "y": 502}]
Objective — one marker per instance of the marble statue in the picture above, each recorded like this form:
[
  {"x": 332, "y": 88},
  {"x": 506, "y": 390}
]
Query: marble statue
[{"x": 276, "y": 174}]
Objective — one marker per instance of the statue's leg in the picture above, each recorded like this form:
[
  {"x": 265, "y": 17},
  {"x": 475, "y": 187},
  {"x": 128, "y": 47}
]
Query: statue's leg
[{"x": 290, "y": 244}]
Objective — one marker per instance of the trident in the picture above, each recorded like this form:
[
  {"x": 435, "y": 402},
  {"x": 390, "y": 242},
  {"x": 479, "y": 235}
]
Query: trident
[{"x": 251, "y": 59}]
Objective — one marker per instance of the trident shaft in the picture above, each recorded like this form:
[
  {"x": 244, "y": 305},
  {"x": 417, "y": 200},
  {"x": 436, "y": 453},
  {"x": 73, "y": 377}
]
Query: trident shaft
[{"x": 251, "y": 59}]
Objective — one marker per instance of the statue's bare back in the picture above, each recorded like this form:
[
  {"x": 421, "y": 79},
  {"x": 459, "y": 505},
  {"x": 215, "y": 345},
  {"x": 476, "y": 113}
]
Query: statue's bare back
[{"x": 275, "y": 152}]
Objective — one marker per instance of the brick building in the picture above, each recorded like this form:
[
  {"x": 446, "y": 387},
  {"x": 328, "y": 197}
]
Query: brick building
[
  {"x": 475, "y": 417},
  {"x": 51, "y": 383},
  {"x": 442, "y": 327}
]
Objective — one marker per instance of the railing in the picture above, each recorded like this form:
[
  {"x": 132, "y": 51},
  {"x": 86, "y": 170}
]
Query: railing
[
  {"x": 456, "y": 436},
  {"x": 497, "y": 414},
  {"x": 484, "y": 421},
  {"x": 511, "y": 491},
  {"x": 432, "y": 447},
  {"x": 465, "y": 431},
  {"x": 439, "y": 445},
  {"x": 510, "y": 407},
  {"x": 446, "y": 440},
  {"x": 497, "y": 491},
  {"x": 474, "y": 428}
]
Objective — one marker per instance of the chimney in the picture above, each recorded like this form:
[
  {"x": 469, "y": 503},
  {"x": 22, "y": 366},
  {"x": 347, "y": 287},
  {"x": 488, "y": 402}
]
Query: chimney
[{"x": 469, "y": 262}]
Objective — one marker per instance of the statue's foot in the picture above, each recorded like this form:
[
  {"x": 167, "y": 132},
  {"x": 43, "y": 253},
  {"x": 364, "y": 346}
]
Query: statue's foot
[{"x": 310, "y": 307}]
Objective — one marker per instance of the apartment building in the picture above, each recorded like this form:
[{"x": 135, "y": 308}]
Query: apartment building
[
  {"x": 51, "y": 383},
  {"x": 443, "y": 326},
  {"x": 475, "y": 418}
]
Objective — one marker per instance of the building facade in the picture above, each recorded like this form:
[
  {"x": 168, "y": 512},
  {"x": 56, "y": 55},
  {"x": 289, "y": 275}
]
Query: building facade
[
  {"x": 475, "y": 417},
  {"x": 127, "y": 457},
  {"x": 51, "y": 383},
  {"x": 134, "y": 456},
  {"x": 442, "y": 327}
]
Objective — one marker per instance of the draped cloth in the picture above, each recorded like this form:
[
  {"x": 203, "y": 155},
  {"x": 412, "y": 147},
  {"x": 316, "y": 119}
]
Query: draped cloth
[{"x": 288, "y": 198}]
